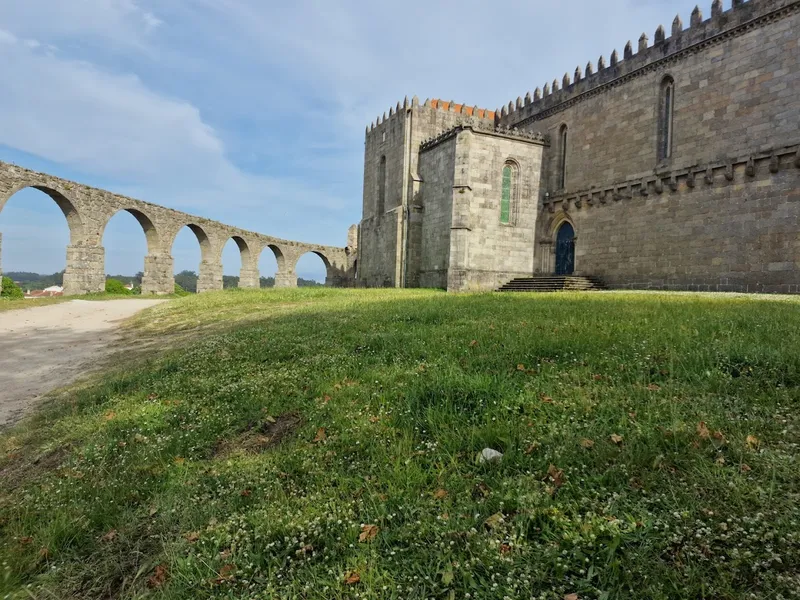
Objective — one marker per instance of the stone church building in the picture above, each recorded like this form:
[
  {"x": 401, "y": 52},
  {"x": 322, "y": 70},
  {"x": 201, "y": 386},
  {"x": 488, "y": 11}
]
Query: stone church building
[{"x": 675, "y": 165}]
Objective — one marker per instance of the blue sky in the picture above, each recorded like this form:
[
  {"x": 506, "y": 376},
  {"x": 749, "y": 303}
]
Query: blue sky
[{"x": 252, "y": 112}]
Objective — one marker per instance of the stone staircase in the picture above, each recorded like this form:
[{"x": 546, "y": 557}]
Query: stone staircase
[{"x": 553, "y": 283}]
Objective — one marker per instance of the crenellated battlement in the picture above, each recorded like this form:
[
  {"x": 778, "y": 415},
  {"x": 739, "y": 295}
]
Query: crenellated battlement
[
  {"x": 721, "y": 26},
  {"x": 431, "y": 104}
]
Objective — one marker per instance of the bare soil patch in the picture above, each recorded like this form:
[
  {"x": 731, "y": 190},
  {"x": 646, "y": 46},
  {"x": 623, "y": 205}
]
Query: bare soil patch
[
  {"x": 258, "y": 437},
  {"x": 47, "y": 347}
]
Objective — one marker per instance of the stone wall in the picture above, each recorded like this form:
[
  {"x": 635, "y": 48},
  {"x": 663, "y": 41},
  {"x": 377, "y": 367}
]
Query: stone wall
[
  {"x": 729, "y": 228},
  {"x": 715, "y": 213},
  {"x": 495, "y": 252},
  {"x": 388, "y": 240},
  {"x": 88, "y": 210},
  {"x": 437, "y": 168},
  {"x": 735, "y": 93}
]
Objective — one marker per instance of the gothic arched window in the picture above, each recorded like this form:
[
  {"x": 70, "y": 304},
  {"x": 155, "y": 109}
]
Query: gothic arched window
[
  {"x": 509, "y": 191},
  {"x": 562, "y": 162},
  {"x": 381, "y": 186},
  {"x": 665, "y": 117}
]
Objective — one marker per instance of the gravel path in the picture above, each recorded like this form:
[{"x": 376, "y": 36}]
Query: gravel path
[{"x": 46, "y": 347}]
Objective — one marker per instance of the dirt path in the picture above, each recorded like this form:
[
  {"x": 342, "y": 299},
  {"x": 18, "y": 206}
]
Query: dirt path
[{"x": 46, "y": 347}]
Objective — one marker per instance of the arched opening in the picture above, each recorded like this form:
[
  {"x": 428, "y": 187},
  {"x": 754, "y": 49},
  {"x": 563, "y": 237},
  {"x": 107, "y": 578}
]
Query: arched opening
[
  {"x": 312, "y": 269},
  {"x": 190, "y": 248},
  {"x": 126, "y": 247},
  {"x": 235, "y": 255},
  {"x": 35, "y": 238},
  {"x": 270, "y": 263},
  {"x": 565, "y": 249}
]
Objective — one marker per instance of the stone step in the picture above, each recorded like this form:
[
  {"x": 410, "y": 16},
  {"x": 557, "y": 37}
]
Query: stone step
[{"x": 553, "y": 283}]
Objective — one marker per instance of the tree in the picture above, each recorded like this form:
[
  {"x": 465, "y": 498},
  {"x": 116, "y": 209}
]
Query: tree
[
  {"x": 11, "y": 290},
  {"x": 187, "y": 280},
  {"x": 115, "y": 286}
]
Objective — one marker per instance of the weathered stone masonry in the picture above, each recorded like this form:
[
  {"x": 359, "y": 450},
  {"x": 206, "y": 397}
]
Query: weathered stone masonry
[
  {"x": 88, "y": 211},
  {"x": 719, "y": 211}
]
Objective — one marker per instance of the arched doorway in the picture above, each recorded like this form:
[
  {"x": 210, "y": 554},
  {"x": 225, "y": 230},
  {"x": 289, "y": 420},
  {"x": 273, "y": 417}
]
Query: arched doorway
[{"x": 565, "y": 249}]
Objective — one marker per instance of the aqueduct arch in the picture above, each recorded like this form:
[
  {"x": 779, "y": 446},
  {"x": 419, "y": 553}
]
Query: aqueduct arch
[{"x": 88, "y": 211}]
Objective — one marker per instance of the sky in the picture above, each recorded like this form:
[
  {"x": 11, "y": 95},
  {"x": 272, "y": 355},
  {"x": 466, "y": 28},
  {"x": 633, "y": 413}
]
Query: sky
[{"x": 252, "y": 112}]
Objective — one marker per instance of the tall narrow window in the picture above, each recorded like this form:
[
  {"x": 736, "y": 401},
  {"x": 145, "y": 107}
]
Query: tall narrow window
[
  {"x": 507, "y": 195},
  {"x": 381, "y": 206},
  {"x": 665, "y": 118},
  {"x": 562, "y": 163}
]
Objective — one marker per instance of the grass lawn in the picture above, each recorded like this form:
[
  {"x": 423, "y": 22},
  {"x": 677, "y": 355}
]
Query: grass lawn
[{"x": 324, "y": 444}]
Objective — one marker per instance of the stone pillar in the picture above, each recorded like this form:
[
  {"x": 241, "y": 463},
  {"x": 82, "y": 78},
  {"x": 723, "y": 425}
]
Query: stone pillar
[
  {"x": 210, "y": 278},
  {"x": 286, "y": 279},
  {"x": 249, "y": 276},
  {"x": 159, "y": 275},
  {"x": 85, "y": 270},
  {"x": 461, "y": 224}
]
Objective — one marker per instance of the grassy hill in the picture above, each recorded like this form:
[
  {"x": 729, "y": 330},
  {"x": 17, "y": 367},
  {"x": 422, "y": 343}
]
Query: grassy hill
[{"x": 325, "y": 444}]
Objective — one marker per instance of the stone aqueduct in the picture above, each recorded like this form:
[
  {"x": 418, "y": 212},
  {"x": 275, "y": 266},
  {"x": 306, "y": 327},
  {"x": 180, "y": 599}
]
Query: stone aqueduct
[{"x": 88, "y": 210}]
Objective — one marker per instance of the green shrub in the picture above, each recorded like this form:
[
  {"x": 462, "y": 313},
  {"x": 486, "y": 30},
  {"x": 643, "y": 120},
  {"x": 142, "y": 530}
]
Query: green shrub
[
  {"x": 179, "y": 291},
  {"x": 137, "y": 290},
  {"x": 115, "y": 286},
  {"x": 11, "y": 290}
]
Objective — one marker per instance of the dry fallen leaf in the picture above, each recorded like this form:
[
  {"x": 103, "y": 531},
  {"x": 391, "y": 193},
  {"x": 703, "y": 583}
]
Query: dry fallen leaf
[
  {"x": 179, "y": 460},
  {"x": 556, "y": 475},
  {"x": 616, "y": 438},
  {"x": 245, "y": 493},
  {"x": 745, "y": 468},
  {"x": 546, "y": 399},
  {"x": 532, "y": 448},
  {"x": 473, "y": 343},
  {"x": 720, "y": 460},
  {"x": 158, "y": 578},
  {"x": 752, "y": 441},
  {"x": 702, "y": 430},
  {"x": 495, "y": 521},
  {"x": 368, "y": 532},
  {"x": 653, "y": 387},
  {"x": 225, "y": 574},
  {"x": 109, "y": 536},
  {"x": 192, "y": 536},
  {"x": 587, "y": 443},
  {"x": 110, "y": 415},
  {"x": 440, "y": 494},
  {"x": 505, "y": 549},
  {"x": 321, "y": 435},
  {"x": 374, "y": 419},
  {"x": 571, "y": 597},
  {"x": 520, "y": 367},
  {"x": 352, "y": 578}
]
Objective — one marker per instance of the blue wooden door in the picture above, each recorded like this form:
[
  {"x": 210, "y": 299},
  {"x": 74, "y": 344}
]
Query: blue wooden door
[{"x": 565, "y": 250}]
